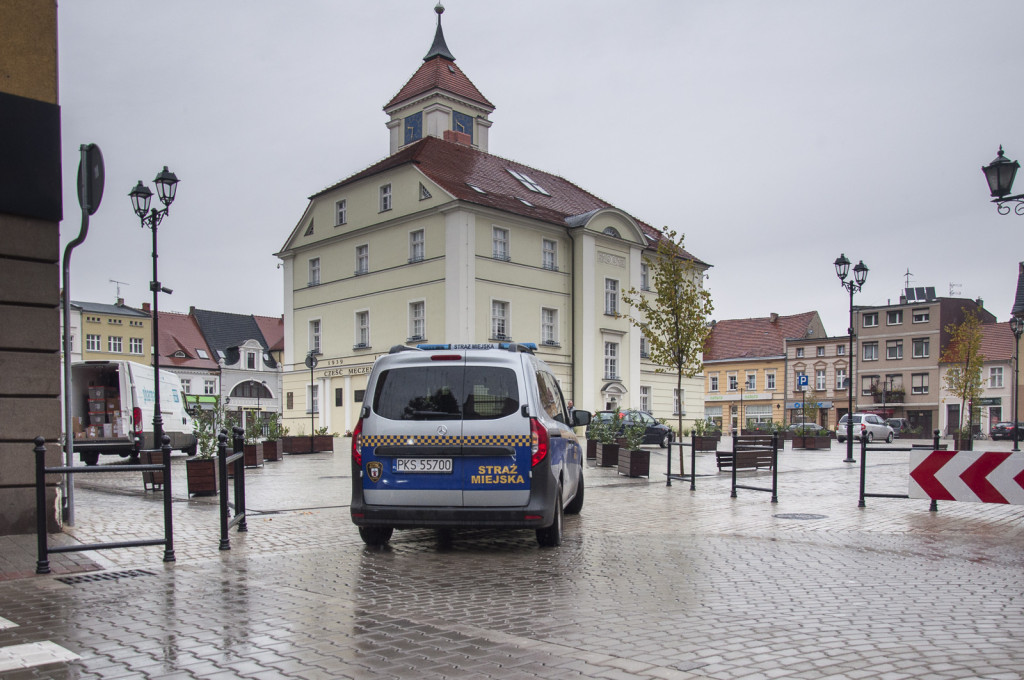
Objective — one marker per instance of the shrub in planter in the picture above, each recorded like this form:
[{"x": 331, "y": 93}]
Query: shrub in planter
[{"x": 632, "y": 460}]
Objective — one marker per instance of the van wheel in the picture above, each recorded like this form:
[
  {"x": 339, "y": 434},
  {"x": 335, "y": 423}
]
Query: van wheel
[
  {"x": 376, "y": 536},
  {"x": 576, "y": 504},
  {"x": 91, "y": 458},
  {"x": 551, "y": 537}
]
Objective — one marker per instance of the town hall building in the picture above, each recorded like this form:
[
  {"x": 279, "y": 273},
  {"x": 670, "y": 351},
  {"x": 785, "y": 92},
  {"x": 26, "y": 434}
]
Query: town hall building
[{"x": 444, "y": 242}]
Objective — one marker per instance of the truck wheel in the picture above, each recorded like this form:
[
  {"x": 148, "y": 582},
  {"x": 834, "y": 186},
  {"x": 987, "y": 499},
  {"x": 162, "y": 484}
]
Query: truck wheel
[
  {"x": 90, "y": 458},
  {"x": 551, "y": 537},
  {"x": 375, "y": 536}
]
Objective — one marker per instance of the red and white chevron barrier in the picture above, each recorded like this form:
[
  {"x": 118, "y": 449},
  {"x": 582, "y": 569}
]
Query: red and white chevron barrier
[{"x": 977, "y": 476}]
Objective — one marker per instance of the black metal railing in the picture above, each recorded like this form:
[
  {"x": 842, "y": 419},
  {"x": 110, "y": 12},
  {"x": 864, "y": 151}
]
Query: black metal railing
[
  {"x": 864, "y": 466},
  {"x": 237, "y": 461},
  {"x": 43, "y": 562}
]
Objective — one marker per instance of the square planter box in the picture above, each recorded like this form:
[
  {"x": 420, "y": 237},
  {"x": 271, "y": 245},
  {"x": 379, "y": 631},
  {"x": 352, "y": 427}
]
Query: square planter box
[
  {"x": 634, "y": 462},
  {"x": 202, "y": 476},
  {"x": 301, "y": 444},
  {"x": 273, "y": 450},
  {"x": 253, "y": 454},
  {"x": 591, "y": 449},
  {"x": 811, "y": 442},
  {"x": 607, "y": 455},
  {"x": 706, "y": 442}
]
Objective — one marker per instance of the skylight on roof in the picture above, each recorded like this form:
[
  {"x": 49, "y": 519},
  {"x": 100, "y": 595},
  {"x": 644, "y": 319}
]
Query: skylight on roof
[
  {"x": 527, "y": 182},
  {"x": 476, "y": 188},
  {"x": 525, "y": 202},
  {"x": 202, "y": 353}
]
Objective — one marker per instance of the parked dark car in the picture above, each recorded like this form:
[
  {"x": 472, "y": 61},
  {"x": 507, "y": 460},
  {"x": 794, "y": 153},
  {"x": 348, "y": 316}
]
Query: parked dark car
[
  {"x": 900, "y": 426},
  {"x": 1005, "y": 431},
  {"x": 656, "y": 433},
  {"x": 808, "y": 428}
]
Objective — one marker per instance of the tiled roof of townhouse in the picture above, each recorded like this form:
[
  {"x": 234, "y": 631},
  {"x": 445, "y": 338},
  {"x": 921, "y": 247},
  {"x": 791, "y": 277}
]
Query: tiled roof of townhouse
[
  {"x": 180, "y": 333},
  {"x": 760, "y": 337},
  {"x": 272, "y": 328}
]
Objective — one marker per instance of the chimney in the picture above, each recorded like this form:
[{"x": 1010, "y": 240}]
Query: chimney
[
  {"x": 145, "y": 307},
  {"x": 120, "y": 302},
  {"x": 981, "y": 303},
  {"x": 458, "y": 137},
  {"x": 774, "y": 318},
  {"x": 191, "y": 310}
]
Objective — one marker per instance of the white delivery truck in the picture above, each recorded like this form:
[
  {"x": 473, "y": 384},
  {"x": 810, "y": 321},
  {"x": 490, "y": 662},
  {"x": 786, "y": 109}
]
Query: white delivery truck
[{"x": 112, "y": 404}]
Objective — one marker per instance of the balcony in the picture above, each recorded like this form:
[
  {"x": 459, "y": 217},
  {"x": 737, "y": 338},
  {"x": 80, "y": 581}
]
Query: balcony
[{"x": 894, "y": 395}]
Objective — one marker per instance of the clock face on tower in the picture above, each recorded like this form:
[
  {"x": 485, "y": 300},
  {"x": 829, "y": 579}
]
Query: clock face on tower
[
  {"x": 413, "y": 127},
  {"x": 462, "y": 123}
]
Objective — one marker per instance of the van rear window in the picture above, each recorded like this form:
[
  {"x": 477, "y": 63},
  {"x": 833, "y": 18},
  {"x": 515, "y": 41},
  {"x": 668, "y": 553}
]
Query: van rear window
[{"x": 446, "y": 393}]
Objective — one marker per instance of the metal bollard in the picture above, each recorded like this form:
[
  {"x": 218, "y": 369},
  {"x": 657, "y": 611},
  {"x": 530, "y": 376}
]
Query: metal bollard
[
  {"x": 43, "y": 562},
  {"x": 165, "y": 450}
]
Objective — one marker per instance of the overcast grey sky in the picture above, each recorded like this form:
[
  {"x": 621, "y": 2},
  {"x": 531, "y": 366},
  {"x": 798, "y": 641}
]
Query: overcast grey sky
[{"x": 775, "y": 135}]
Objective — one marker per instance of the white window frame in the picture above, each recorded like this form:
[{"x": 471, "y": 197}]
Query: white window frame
[
  {"x": 611, "y": 360},
  {"x": 93, "y": 342},
  {"x": 769, "y": 380},
  {"x": 821, "y": 351},
  {"x": 841, "y": 379},
  {"x": 894, "y": 350},
  {"x": 819, "y": 379},
  {"x": 361, "y": 326},
  {"x": 919, "y": 383},
  {"x": 611, "y": 297},
  {"x": 417, "y": 245},
  {"x": 799, "y": 352},
  {"x": 645, "y": 347},
  {"x": 873, "y": 346},
  {"x": 501, "y": 248},
  {"x": 645, "y": 398},
  {"x": 417, "y": 320},
  {"x": 894, "y": 317},
  {"x": 114, "y": 344},
  {"x": 250, "y": 361},
  {"x": 869, "y": 320},
  {"x": 313, "y": 398},
  {"x": 340, "y": 212},
  {"x": 922, "y": 315},
  {"x": 549, "y": 254},
  {"x": 733, "y": 382},
  {"x": 645, "y": 276},
  {"x": 499, "y": 319},
  {"x": 922, "y": 343},
  {"x": 995, "y": 376},
  {"x": 385, "y": 197},
  {"x": 549, "y": 326},
  {"x": 186, "y": 386},
  {"x": 209, "y": 386},
  {"x": 840, "y": 350},
  {"x": 136, "y": 346},
  {"x": 713, "y": 382},
  {"x": 362, "y": 259},
  {"x": 314, "y": 271},
  {"x": 315, "y": 336},
  {"x": 751, "y": 381}
]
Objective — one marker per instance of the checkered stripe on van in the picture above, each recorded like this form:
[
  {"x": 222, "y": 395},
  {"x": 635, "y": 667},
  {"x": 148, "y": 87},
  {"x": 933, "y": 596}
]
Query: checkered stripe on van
[{"x": 443, "y": 440}]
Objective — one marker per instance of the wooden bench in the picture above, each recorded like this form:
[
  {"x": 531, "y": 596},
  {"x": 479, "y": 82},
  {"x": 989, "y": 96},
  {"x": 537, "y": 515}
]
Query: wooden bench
[{"x": 749, "y": 452}]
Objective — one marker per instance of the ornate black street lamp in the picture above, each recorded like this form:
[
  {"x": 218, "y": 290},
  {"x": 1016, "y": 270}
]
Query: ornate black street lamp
[
  {"x": 166, "y": 185},
  {"x": 860, "y": 275},
  {"x": 1017, "y": 327},
  {"x": 1000, "y": 174}
]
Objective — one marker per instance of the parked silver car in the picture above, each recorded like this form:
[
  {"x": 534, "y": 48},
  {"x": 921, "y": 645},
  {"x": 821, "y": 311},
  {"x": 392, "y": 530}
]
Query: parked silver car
[{"x": 865, "y": 425}]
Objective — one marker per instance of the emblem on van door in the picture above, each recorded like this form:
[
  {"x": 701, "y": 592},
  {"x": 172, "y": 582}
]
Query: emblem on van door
[
  {"x": 374, "y": 470},
  {"x": 442, "y": 430}
]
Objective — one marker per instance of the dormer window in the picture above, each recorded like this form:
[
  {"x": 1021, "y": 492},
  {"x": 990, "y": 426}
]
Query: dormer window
[
  {"x": 527, "y": 182},
  {"x": 180, "y": 355},
  {"x": 202, "y": 353}
]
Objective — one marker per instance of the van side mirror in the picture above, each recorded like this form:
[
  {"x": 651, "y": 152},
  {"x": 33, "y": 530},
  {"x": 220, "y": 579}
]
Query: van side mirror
[{"x": 580, "y": 418}]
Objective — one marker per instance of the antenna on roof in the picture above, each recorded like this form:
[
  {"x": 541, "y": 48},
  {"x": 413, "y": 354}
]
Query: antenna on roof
[
  {"x": 955, "y": 288},
  {"x": 119, "y": 284},
  {"x": 906, "y": 278}
]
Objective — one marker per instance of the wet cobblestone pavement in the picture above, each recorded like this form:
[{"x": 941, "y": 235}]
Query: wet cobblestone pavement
[{"x": 651, "y": 582}]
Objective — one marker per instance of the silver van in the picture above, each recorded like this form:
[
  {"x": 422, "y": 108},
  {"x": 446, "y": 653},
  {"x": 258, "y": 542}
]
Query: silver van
[{"x": 465, "y": 436}]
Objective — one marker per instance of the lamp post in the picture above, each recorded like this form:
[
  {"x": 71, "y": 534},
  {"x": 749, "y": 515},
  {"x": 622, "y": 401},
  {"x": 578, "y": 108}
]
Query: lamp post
[
  {"x": 860, "y": 275},
  {"x": 1017, "y": 326},
  {"x": 262, "y": 385},
  {"x": 166, "y": 185},
  {"x": 1000, "y": 174},
  {"x": 311, "y": 362}
]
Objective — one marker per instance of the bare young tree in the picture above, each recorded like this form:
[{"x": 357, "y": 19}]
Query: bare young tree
[
  {"x": 963, "y": 359},
  {"x": 674, "y": 315}
]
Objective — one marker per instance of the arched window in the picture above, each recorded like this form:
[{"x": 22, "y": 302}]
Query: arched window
[
  {"x": 252, "y": 390},
  {"x": 612, "y": 231}
]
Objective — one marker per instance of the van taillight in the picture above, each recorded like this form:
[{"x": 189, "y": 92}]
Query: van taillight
[
  {"x": 137, "y": 419},
  {"x": 357, "y": 454},
  {"x": 538, "y": 441}
]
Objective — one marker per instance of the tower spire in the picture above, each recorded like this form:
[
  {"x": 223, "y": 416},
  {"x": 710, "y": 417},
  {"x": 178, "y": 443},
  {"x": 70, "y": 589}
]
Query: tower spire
[{"x": 439, "y": 48}]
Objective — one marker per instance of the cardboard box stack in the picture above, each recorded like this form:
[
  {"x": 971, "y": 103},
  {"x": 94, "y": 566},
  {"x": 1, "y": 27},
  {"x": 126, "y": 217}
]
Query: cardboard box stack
[{"x": 104, "y": 408}]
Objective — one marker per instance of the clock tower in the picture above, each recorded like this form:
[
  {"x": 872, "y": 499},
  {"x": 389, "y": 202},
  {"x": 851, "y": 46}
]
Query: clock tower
[{"x": 439, "y": 101}]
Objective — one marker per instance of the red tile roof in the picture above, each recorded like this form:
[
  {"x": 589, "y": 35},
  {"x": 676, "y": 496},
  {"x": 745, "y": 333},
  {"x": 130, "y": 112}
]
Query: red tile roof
[
  {"x": 180, "y": 332},
  {"x": 753, "y": 338},
  {"x": 454, "y": 167},
  {"x": 997, "y": 341},
  {"x": 272, "y": 328},
  {"x": 439, "y": 73}
]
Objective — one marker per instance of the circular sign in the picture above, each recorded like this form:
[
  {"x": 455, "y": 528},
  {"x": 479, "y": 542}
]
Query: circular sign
[
  {"x": 311, "y": 361},
  {"x": 90, "y": 186}
]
